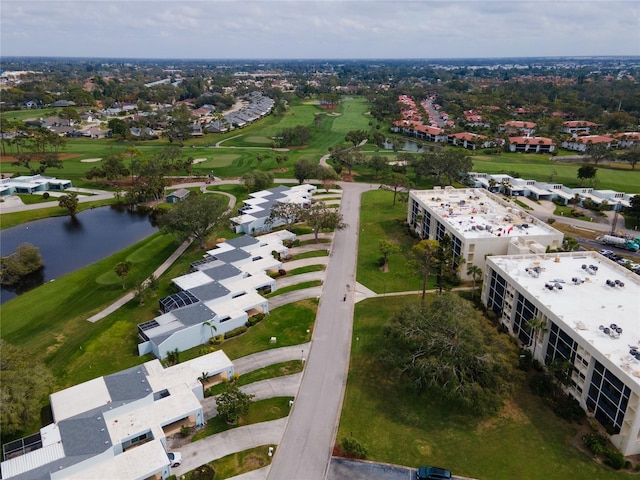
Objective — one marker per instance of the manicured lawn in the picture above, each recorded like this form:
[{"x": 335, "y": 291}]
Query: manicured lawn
[
  {"x": 49, "y": 322},
  {"x": 380, "y": 220},
  {"x": 524, "y": 440},
  {"x": 292, "y": 288},
  {"x": 288, "y": 323},
  {"x": 260, "y": 411},
  {"x": 271, "y": 371},
  {"x": 240, "y": 462},
  {"x": 307, "y": 269},
  {"x": 310, "y": 254}
]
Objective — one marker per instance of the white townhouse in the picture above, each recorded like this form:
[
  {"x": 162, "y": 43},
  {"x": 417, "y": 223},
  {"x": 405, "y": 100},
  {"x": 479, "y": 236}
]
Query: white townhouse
[
  {"x": 117, "y": 426},
  {"x": 253, "y": 215},
  {"x": 219, "y": 294}
]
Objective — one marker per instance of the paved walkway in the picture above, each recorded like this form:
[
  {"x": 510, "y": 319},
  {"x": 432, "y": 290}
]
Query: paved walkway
[
  {"x": 286, "y": 281},
  {"x": 295, "y": 296},
  {"x": 232, "y": 441},
  {"x": 269, "y": 357}
]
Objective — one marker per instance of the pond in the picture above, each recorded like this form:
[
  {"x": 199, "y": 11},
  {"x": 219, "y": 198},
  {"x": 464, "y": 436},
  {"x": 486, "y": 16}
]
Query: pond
[
  {"x": 66, "y": 244},
  {"x": 404, "y": 145}
]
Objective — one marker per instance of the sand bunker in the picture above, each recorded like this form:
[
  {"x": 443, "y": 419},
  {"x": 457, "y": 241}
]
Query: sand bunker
[
  {"x": 90, "y": 160},
  {"x": 200, "y": 160}
]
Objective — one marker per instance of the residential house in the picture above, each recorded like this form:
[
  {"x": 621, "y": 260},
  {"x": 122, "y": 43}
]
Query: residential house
[
  {"x": 528, "y": 128},
  {"x": 582, "y": 143},
  {"x": 31, "y": 184},
  {"x": 468, "y": 140},
  {"x": 178, "y": 195},
  {"x": 578, "y": 127},
  {"x": 257, "y": 208},
  {"x": 531, "y": 144}
]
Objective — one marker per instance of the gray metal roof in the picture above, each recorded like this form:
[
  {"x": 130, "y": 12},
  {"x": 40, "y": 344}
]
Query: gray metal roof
[
  {"x": 243, "y": 241},
  {"x": 232, "y": 256},
  {"x": 209, "y": 291},
  {"x": 130, "y": 384},
  {"x": 220, "y": 272},
  {"x": 84, "y": 436},
  {"x": 194, "y": 314},
  {"x": 278, "y": 189}
]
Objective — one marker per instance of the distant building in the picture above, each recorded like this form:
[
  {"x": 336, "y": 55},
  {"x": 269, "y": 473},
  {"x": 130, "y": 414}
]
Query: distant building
[
  {"x": 591, "y": 309},
  {"x": 32, "y": 184},
  {"x": 257, "y": 208},
  {"x": 178, "y": 195}
]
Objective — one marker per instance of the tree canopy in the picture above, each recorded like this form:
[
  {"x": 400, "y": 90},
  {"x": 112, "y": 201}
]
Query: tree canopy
[
  {"x": 449, "y": 351},
  {"x": 197, "y": 216},
  {"x": 305, "y": 169},
  {"x": 233, "y": 403},
  {"x": 25, "y": 260},
  {"x": 257, "y": 180},
  {"x": 319, "y": 216},
  {"x": 24, "y": 386}
]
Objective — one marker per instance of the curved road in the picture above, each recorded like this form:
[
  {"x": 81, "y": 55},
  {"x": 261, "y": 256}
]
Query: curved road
[{"x": 313, "y": 421}]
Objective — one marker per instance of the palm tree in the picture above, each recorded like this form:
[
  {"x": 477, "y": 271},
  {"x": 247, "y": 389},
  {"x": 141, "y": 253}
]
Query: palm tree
[
  {"x": 211, "y": 326},
  {"x": 536, "y": 325},
  {"x": 475, "y": 272}
]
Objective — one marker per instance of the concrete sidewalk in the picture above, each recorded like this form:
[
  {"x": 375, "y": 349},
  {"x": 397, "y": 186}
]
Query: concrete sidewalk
[
  {"x": 235, "y": 440},
  {"x": 270, "y": 357},
  {"x": 295, "y": 296}
]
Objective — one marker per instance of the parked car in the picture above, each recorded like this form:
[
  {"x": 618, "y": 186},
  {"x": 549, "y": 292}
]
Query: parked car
[
  {"x": 606, "y": 252},
  {"x": 175, "y": 458},
  {"x": 433, "y": 473}
]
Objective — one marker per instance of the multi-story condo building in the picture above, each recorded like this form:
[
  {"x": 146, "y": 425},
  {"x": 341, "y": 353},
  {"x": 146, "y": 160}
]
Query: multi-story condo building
[
  {"x": 591, "y": 308},
  {"x": 479, "y": 224}
]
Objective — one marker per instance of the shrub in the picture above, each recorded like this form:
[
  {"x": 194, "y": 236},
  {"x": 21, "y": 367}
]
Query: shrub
[
  {"x": 217, "y": 340},
  {"x": 45, "y": 195},
  {"x": 350, "y": 447},
  {"x": 595, "y": 442},
  {"x": 185, "y": 430},
  {"x": 542, "y": 385},
  {"x": 525, "y": 360},
  {"x": 282, "y": 272},
  {"x": 203, "y": 472},
  {"x": 235, "y": 332},
  {"x": 551, "y": 221},
  {"x": 614, "y": 459},
  {"x": 568, "y": 408}
]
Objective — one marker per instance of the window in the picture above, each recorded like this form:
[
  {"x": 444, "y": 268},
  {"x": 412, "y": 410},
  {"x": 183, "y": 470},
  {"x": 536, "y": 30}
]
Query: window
[
  {"x": 608, "y": 398},
  {"x": 525, "y": 311},
  {"x": 497, "y": 286}
]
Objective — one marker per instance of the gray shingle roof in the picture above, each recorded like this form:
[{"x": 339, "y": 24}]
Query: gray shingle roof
[
  {"x": 84, "y": 436},
  {"x": 130, "y": 384},
  {"x": 243, "y": 241},
  {"x": 232, "y": 256},
  {"x": 209, "y": 291},
  {"x": 194, "y": 314},
  {"x": 220, "y": 272}
]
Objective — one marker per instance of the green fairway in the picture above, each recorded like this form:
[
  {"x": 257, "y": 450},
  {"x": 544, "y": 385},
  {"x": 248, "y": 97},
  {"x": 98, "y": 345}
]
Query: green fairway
[
  {"x": 50, "y": 321},
  {"x": 539, "y": 167},
  {"x": 397, "y": 425}
]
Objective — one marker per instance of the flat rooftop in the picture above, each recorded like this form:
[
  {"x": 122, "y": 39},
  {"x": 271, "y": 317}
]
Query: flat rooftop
[
  {"x": 476, "y": 213},
  {"x": 586, "y": 302}
]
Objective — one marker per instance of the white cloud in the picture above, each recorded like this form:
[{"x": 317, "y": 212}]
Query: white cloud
[{"x": 319, "y": 29}]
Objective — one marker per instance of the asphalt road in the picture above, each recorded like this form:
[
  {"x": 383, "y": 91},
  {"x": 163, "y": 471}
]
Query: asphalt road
[{"x": 313, "y": 421}]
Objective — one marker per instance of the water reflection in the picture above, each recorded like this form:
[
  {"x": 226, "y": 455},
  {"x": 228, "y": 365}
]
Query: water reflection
[{"x": 68, "y": 244}]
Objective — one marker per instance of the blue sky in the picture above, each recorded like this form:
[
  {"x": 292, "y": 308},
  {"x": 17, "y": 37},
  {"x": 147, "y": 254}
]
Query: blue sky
[{"x": 219, "y": 29}]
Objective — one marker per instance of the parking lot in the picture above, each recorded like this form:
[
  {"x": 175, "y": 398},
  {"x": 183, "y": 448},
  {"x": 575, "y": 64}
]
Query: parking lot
[{"x": 341, "y": 468}]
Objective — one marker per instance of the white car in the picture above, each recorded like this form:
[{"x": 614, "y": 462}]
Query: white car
[
  {"x": 175, "y": 458},
  {"x": 605, "y": 252}
]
